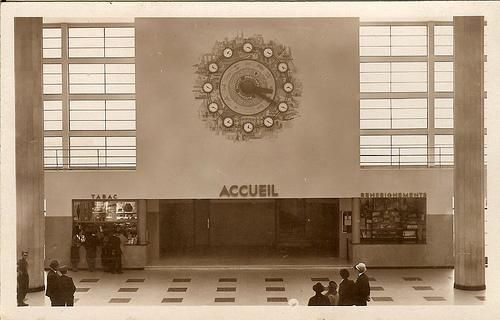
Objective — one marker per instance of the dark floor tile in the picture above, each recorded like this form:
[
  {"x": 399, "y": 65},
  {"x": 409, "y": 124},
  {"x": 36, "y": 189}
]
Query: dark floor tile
[
  {"x": 226, "y": 289},
  {"x": 275, "y": 288},
  {"x": 135, "y": 280},
  {"x": 172, "y": 300},
  {"x": 382, "y": 299},
  {"x": 225, "y": 299},
  {"x": 82, "y": 289},
  {"x": 412, "y": 279},
  {"x": 421, "y": 288},
  {"x": 181, "y": 280},
  {"x": 119, "y": 300},
  {"x": 89, "y": 280},
  {"x": 481, "y": 298},
  {"x": 435, "y": 298},
  {"x": 228, "y": 280},
  {"x": 177, "y": 289},
  {"x": 277, "y": 299},
  {"x": 320, "y": 279},
  {"x": 274, "y": 279},
  {"x": 128, "y": 289},
  {"x": 376, "y": 288}
]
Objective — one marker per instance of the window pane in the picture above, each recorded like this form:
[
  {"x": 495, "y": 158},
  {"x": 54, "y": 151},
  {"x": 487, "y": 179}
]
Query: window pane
[
  {"x": 52, "y": 115},
  {"x": 87, "y": 151},
  {"x": 53, "y": 154},
  {"x": 375, "y": 150},
  {"x": 443, "y": 150},
  {"x": 121, "y": 151}
]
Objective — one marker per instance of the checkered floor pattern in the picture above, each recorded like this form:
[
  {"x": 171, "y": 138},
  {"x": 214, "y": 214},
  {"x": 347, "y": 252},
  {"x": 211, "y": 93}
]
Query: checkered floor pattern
[{"x": 257, "y": 287}]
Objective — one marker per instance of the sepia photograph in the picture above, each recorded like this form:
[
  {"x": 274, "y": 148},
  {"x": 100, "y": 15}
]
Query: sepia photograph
[{"x": 272, "y": 160}]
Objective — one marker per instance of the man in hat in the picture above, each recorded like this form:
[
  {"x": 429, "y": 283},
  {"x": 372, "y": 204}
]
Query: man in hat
[
  {"x": 67, "y": 288},
  {"x": 362, "y": 285},
  {"x": 319, "y": 299},
  {"x": 23, "y": 279},
  {"x": 53, "y": 290}
]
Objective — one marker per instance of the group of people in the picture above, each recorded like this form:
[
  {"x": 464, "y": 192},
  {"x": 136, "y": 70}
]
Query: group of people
[
  {"x": 60, "y": 287},
  {"x": 349, "y": 293},
  {"x": 111, "y": 242}
]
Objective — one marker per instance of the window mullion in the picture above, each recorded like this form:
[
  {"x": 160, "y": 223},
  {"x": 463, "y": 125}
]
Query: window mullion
[
  {"x": 431, "y": 96},
  {"x": 65, "y": 96}
]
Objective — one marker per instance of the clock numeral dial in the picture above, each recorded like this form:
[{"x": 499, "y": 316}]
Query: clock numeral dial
[
  {"x": 268, "y": 122},
  {"x": 228, "y": 122},
  {"x": 208, "y": 87},
  {"x": 282, "y": 67},
  {"x": 247, "y": 47},
  {"x": 288, "y": 87},
  {"x": 268, "y": 52},
  {"x": 213, "y": 67},
  {"x": 283, "y": 107},
  {"x": 213, "y": 107},
  {"x": 248, "y": 127},
  {"x": 227, "y": 53}
]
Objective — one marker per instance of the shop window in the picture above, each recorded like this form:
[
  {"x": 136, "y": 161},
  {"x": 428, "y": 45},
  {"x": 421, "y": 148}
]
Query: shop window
[
  {"x": 106, "y": 216},
  {"x": 393, "y": 220}
]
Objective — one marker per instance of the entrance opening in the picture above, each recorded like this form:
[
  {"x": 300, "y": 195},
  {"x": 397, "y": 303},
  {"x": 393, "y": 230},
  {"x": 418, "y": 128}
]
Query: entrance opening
[{"x": 247, "y": 230}]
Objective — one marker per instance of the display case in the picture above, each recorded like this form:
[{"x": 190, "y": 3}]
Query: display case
[
  {"x": 104, "y": 216},
  {"x": 392, "y": 220}
]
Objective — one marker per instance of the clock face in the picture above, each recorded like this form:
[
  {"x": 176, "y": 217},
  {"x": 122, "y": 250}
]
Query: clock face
[{"x": 248, "y": 87}]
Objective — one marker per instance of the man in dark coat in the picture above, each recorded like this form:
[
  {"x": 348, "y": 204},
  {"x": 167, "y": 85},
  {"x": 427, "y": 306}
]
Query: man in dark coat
[
  {"x": 90, "y": 245},
  {"x": 67, "y": 287},
  {"x": 116, "y": 253},
  {"x": 23, "y": 279},
  {"x": 319, "y": 299},
  {"x": 362, "y": 285},
  {"x": 53, "y": 290},
  {"x": 347, "y": 290}
]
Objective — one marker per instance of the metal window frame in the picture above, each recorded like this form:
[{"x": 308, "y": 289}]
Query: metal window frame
[
  {"x": 431, "y": 131},
  {"x": 65, "y": 97}
]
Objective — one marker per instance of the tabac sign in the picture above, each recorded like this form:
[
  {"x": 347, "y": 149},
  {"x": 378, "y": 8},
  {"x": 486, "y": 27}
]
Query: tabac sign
[{"x": 248, "y": 190}]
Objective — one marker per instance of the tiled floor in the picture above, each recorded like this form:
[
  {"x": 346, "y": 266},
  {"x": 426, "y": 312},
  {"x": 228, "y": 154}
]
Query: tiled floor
[{"x": 188, "y": 287}]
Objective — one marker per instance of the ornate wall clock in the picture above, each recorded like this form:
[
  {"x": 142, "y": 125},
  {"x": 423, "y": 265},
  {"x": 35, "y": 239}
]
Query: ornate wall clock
[{"x": 248, "y": 87}]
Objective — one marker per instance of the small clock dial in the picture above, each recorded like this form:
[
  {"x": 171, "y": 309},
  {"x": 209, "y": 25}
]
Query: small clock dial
[
  {"x": 213, "y": 67},
  {"x": 228, "y": 122},
  {"x": 283, "y": 107},
  {"x": 268, "y": 122},
  {"x": 208, "y": 87},
  {"x": 268, "y": 52},
  {"x": 282, "y": 67},
  {"x": 248, "y": 127},
  {"x": 288, "y": 87},
  {"x": 247, "y": 47},
  {"x": 213, "y": 107},
  {"x": 228, "y": 53}
]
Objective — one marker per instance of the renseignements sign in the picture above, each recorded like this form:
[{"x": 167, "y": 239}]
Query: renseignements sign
[{"x": 394, "y": 195}]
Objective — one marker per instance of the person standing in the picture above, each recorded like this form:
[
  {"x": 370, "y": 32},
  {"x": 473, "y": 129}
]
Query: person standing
[
  {"x": 23, "y": 279},
  {"x": 106, "y": 258},
  {"x": 332, "y": 293},
  {"x": 67, "y": 287},
  {"x": 116, "y": 253},
  {"x": 90, "y": 250},
  {"x": 53, "y": 290},
  {"x": 347, "y": 290},
  {"x": 362, "y": 285},
  {"x": 318, "y": 299},
  {"x": 76, "y": 242}
]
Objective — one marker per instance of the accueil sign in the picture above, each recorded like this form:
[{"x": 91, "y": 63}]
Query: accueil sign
[{"x": 248, "y": 190}]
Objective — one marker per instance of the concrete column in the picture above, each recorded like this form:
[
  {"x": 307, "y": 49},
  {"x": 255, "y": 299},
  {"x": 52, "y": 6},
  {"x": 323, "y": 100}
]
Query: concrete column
[
  {"x": 29, "y": 146},
  {"x": 468, "y": 113}
]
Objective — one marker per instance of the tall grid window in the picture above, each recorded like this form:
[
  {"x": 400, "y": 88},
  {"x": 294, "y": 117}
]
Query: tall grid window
[
  {"x": 89, "y": 96},
  {"x": 406, "y": 83}
]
